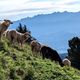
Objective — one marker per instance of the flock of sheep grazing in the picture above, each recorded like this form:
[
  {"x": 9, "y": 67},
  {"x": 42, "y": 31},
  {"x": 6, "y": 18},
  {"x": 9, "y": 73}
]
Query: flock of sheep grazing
[
  {"x": 46, "y": 52},
  {"x": 49, "y": 53}
]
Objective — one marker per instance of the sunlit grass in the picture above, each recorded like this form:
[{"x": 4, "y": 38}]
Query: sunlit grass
[{"x": 22, "y": 64}]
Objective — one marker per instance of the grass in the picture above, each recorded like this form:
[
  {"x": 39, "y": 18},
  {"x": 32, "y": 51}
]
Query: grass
[{"x": 22, "y": 64}]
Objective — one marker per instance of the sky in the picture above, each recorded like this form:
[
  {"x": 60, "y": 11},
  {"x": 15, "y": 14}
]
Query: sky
[{"x": 17, "y": 9}]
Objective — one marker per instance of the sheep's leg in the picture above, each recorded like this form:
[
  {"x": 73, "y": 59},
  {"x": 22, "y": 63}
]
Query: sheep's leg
[
  {"x": 0, "y": 37},
  {"x": 20, "y": 44},
  {"x": 43, "y": 56},
  {"x": 32, "y": 48}
]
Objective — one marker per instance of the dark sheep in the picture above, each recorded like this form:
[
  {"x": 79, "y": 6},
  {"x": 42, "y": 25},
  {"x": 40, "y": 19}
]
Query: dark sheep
[{"x": 50, "y": 53}]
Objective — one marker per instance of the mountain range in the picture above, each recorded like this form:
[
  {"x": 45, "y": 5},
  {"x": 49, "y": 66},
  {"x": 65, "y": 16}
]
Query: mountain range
[{"x": 53, "y": 29}]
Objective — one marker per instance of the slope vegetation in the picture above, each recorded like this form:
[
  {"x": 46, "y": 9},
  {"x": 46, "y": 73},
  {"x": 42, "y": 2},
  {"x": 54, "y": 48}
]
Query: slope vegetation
[{"x": 22, "y": 64}]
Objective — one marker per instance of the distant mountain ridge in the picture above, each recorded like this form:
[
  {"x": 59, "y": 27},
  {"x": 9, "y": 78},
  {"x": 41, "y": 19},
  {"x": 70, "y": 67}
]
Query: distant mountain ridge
[{"x": 53, "y": 29}]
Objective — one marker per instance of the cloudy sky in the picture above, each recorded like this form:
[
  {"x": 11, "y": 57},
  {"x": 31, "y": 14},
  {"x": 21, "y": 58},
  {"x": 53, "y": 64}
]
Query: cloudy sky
[{"x": 17, "y": 9}]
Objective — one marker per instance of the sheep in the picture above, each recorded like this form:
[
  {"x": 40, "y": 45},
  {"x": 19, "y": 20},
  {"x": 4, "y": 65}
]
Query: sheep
[
  {"x": 4, "y": 26},
  {"x": 5, "y": 33},
  {"x": 15, "y": 36},
  {"x": 66, "y": 62},
  {"x": 51, "y": 54},
  {"x": 35, "y": 46}
]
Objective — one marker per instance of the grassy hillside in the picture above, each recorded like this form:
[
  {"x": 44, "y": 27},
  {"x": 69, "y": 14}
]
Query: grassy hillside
[{"x": 22, "y": 64}]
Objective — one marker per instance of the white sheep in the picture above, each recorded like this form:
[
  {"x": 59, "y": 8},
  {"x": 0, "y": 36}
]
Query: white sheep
[{"x": 66, "y": 62}]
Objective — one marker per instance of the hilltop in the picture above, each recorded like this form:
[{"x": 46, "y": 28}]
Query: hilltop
[
  {"x": 50, "y": 29},
  {"x": 22, "y": 64}
]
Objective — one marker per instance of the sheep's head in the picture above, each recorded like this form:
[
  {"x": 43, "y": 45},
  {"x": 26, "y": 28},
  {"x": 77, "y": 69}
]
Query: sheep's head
[
  {"x": 7, "y": 22},
  {"x": 34, "y": 43},
  {"x": 26, "y": 35}
]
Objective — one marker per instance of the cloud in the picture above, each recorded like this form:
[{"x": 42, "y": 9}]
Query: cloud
[
  {"x": 16, "y": 7},
  {"x": 73, "y": 3},
  {"x": 27, "y": 10}
]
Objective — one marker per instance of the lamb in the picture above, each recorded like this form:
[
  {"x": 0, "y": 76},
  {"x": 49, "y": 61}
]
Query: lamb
[
  {"x": 15, "y": 36},
  {"x": 66, "y": 62},
  {"x": 35, "y": 46},
  {"x": 4, "y": 26}
]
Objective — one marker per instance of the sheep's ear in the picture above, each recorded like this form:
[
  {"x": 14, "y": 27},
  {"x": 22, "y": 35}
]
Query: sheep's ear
[
  {"x": 5, "y": 20},
  {"x": 8, "y": 21},
  {"x": 26, "y": 33},
  {"x": 11, "y": 22}
]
